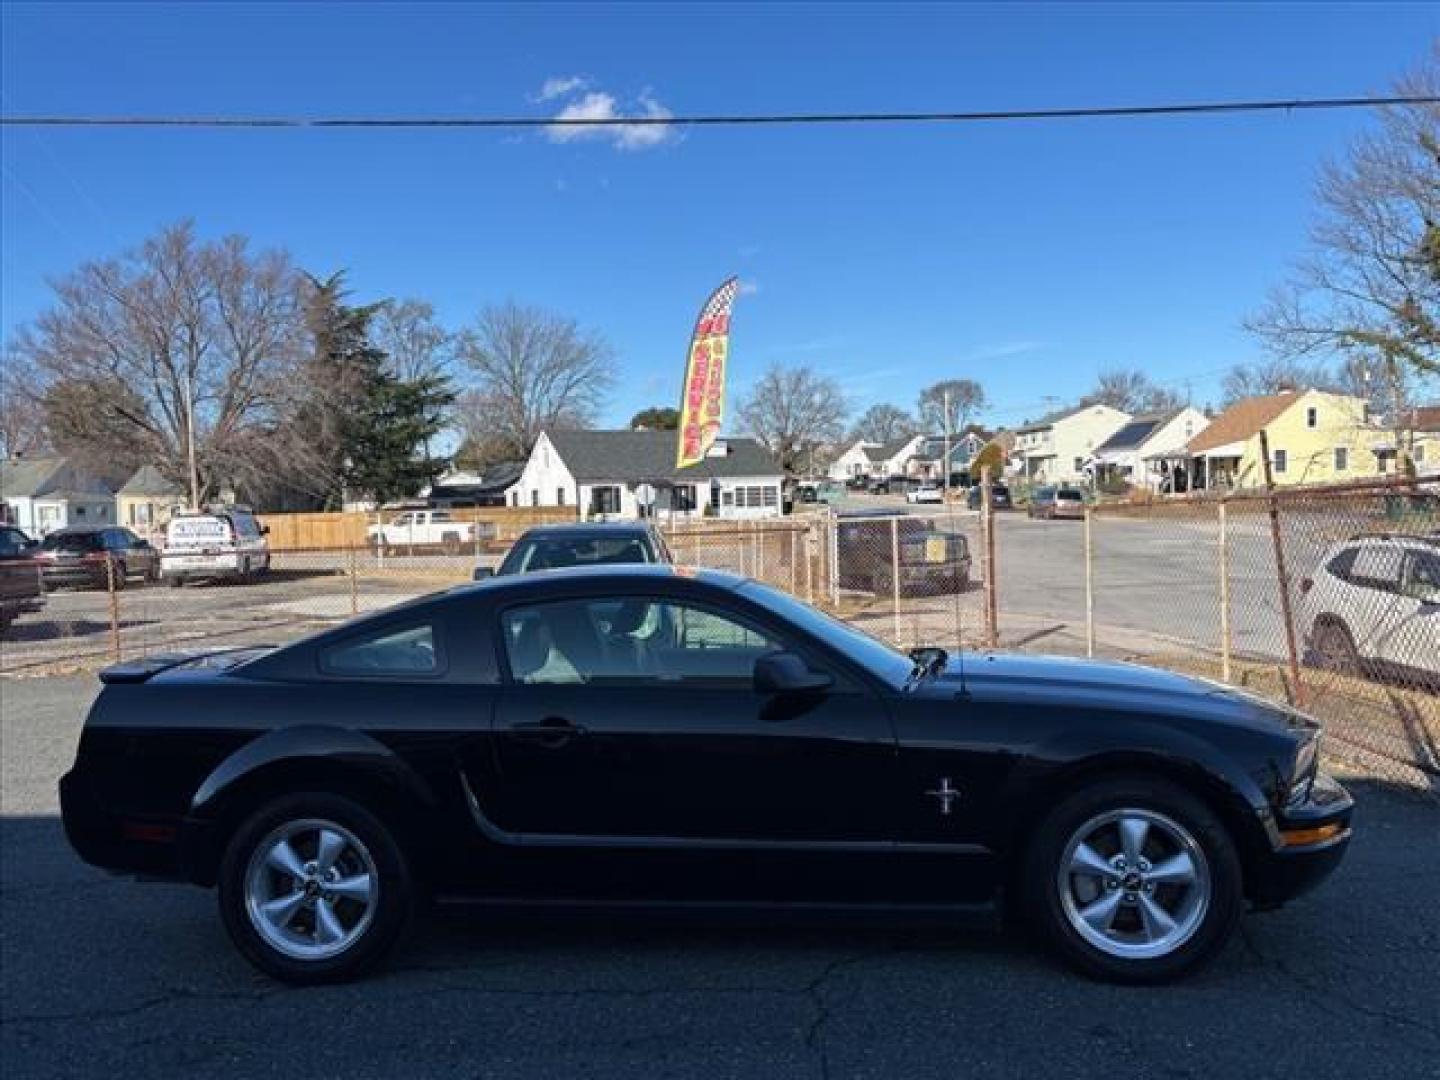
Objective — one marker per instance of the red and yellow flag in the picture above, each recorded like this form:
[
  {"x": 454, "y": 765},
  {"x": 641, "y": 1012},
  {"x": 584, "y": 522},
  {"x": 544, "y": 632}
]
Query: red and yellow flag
[{"x": 702, "y": 396}]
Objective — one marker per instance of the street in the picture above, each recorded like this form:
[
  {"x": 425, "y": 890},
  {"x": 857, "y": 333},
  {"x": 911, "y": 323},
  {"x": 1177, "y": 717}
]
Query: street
[{"x": 107, "y": 977}]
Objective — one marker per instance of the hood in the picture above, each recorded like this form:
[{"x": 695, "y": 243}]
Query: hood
[{"x": 1110, "y": 685}]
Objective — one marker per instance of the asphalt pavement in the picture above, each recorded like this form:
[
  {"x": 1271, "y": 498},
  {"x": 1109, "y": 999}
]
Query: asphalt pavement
[{"x": 105, "y": 977}]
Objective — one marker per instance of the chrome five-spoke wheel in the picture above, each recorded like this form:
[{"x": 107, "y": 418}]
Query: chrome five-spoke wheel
[
  {"x": 311, "y": 889},
  {"x": 1134, "y": 883}
]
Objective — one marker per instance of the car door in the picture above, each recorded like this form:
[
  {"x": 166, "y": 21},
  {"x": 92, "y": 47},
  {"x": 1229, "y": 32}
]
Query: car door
[
  {"x": 636, "y": 718},
  {"x": 1413, "y": 638},
  {"x": 139, "y": 556},
  {"x": 1374, "y": 604}
]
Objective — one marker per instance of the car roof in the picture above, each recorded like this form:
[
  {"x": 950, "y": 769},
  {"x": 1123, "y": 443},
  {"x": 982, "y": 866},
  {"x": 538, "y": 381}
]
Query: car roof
[
  {"x": 78, "y": 530},
  {"x": 588, "y": 528},
  {"x": 1429, "y": 540},
  {"x": 610, "y": 575}
]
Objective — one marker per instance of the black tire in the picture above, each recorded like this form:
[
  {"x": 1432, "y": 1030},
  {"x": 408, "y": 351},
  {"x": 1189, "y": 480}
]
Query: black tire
[
  {"x": 1335, "y": 647},
  {"x": 1045, "y": 908},
  {"x": 392, "y": 906}
]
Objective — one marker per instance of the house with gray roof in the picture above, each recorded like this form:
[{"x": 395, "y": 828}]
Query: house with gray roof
[
  {"x": 1142, "y": 453},
  {"x": 43, "y": 494},
  {"x": 146, "y": 502},
  {"x": 617, "y": 475}
]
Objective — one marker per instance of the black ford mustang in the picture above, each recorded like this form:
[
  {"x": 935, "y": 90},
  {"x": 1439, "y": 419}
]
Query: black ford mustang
[{"x": 645, "y": 735}]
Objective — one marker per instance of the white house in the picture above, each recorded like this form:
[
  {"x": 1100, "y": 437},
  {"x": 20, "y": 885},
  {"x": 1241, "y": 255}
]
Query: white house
[
  {"x": 607, "y": 474},
  {"x": 44, "y": 494},
  {"x": 1061, "y": 448},
  {"x": 853, "y": 461},
  {"x": 1142, "y": 452}
]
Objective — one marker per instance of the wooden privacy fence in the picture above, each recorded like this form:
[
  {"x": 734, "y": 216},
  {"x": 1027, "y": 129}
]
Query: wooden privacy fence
[{"x": 344, "y": 529}]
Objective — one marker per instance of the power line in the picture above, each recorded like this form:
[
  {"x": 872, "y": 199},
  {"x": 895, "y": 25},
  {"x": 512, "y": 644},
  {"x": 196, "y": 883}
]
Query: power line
[{"x": 721, "y": 120}]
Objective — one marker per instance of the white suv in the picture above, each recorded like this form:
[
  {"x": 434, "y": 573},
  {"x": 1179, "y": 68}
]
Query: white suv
[
  {"x": 1374, "y": 603},
  {"x": 219, "y": 544}
]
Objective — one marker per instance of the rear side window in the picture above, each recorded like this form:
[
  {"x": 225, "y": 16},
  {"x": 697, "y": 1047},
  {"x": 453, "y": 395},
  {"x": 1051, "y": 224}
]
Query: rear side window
[
  {"x": 1341, "y": 564},
  {"x": 1069, "y": 496},
  {"x": 1377, "y": 568},
  {"x": 409, "y": 651}
]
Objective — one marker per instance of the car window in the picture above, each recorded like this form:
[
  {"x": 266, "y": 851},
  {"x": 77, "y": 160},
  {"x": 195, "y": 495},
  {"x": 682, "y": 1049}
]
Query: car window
[
  {"x": 1423, "y": 581},
  {"x": 410, "y": 651},
  {"x": 1342, "y": 563},
  {"x": 12, "y": 542},
  {"x": 550, "y": 552},
  {"x": 82, "y": 541},
  {"x": 1377, "y": 567},
  {"x": 1069, "y": 496},
  {"x": 629, "y": 641}
]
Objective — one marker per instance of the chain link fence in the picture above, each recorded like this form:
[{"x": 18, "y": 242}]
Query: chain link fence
[{"x": 1326, "y": 598}]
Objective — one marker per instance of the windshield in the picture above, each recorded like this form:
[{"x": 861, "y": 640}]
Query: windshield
[
  {"x": 549, "y": 553},
  {"x": 880, "y": 659},
  {"x": 89, "y": 541}
]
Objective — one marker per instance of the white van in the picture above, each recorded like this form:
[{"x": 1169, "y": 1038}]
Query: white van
[{"x": 227, "y": 543}]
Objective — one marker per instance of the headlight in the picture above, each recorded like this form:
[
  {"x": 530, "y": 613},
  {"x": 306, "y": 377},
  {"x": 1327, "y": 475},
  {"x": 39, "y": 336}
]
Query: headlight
[{"x": 1303, "y": 774}]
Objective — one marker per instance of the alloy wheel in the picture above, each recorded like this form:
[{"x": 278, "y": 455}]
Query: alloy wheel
[
  {"x": 311, "y": 889},
  {"x": 1134, "y": 883}
]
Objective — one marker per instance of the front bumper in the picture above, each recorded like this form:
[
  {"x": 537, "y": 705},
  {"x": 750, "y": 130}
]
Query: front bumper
[{"x": 1293, "y": 869}]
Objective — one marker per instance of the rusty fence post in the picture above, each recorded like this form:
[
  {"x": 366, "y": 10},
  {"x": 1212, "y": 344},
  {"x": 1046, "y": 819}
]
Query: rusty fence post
[
  {"x": 1089, "y": 585},
  {"x": 987, "y": 544},
  {"x": 1297, "y": 692},
  {"x": 354, "y": 581},
  {"x": 111, "y": 586},
  {"x": 895, "y": 575},
  {"x": 1224, "y": 594}
]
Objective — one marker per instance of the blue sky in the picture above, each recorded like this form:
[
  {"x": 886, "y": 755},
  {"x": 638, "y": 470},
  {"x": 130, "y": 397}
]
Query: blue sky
[{"x": 1028, "y": 256}]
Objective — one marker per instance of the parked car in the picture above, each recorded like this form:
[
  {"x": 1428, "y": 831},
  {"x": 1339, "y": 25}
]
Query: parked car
[
  {"x": 226, "y": 544},
  {"x": 1050, "y": 503},
  {"x": 1373, "y": 605},
  {"x": 931, "y": 562},
  {"x": 20, "y": 588},
  {"x": 426, "y": 529},
  {"x": 95, "y": 556},
  {"x": 999, "y": 497},
  {"x": 634, "y": 735},
  {"x": 925, "y": 493},
  {"x": 549, "y": 547}
]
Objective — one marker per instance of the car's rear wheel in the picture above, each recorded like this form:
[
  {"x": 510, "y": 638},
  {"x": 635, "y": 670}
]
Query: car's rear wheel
[
  {"x": 1335, "y": 647},
  {"x": 1133, "y": 880},
  {"x": 314, "y": 889}
]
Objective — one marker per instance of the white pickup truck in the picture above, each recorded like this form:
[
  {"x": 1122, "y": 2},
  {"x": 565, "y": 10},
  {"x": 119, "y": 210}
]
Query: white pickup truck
[{"x": 424, "y": 529}]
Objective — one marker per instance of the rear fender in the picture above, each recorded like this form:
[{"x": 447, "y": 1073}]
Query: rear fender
[{"x": 313, "y": 757}]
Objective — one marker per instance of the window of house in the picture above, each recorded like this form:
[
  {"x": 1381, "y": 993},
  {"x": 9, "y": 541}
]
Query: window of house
[
  {"x": 1417, "y": 455},
  {"x": 534, "y": 496},
  {"x": 683, "y": 497},
  {"x": 514, "y": 498},
  {"x": 410, "y": 651},
  {"x": 771, "y": 496},
  {"x": 559, "y": 496},
  {"x": 629, "y": 641},
  {"x": 1312, "y": 417},
  {"x": 1280, "y": 461},
  {"x": 1079, "y": 464},
  {"x": 728, "y": 498},
  {"x": 1342, "y": 459},
  {"x": 1383, "y": 460},
  {"x": 605, "y": 500}
]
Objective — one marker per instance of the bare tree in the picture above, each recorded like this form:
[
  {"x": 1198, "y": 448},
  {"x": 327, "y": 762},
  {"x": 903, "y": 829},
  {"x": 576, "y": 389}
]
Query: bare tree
[
  {"x": 793, "y": 412},
  {"x": 949, "y": 405},
  {"x": 1368, "y": 292},
  {"x": 530, "y": 370},
  {"x": 883, "y": 423},
  {"x": 416, "y": 344},
  {"x": 178, "y": 344},
  {"x": 1131, "y": 390},
  {"x": 22, "y": 422},
  {"x": 1271, "y": 376}
]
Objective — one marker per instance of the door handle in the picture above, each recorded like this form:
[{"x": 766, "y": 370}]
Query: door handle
[{"x": 551, "y": 731}]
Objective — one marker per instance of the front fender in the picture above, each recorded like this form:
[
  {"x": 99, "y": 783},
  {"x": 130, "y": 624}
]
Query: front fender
[{"x": 286, "y": 760}]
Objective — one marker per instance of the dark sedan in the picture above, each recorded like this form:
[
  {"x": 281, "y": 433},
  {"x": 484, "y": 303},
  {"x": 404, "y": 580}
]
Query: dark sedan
[
  {"x": 629, "y": 736},
  {"x": 96, "y": 557},
  {"x": 552, "y": 547},
  {"x": 999, "y": 497}
]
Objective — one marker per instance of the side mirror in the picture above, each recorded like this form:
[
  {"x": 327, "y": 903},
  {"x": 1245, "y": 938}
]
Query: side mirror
[
  {"x": 264, "y": 530},
  {"x": 786, "y": 673},
  {"x": 481, "y": 573}
]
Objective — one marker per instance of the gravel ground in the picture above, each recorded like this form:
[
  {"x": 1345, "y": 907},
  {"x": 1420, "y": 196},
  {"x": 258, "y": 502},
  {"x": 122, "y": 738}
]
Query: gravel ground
[{"x": 101, "y": 976}]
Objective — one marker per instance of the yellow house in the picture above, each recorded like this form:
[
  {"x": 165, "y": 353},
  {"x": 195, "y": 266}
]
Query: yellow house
[
  {"x": 1315, "y": 438},
  {"x": 145, "y": 502}
]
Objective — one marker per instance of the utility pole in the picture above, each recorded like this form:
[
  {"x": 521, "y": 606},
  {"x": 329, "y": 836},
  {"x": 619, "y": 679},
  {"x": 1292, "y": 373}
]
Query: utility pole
[
  {"x": 190, "y": 438},
  {"x": 945, "y": 458}
]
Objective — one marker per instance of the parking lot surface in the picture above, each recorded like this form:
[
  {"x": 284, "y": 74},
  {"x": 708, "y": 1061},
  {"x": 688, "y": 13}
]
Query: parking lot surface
[{"x": 106, "y": 977}]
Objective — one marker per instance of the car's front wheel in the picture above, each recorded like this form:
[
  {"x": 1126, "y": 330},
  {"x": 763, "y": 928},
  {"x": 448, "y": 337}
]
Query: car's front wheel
[
  {"x": 314, "y": 888},
  {"x": 1133, "y": 880}
]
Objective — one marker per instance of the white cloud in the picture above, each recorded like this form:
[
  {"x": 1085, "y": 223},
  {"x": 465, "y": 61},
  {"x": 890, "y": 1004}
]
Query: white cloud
[
  {"x": 598, "y": 105},
  {"x": 559, "y": 86}
]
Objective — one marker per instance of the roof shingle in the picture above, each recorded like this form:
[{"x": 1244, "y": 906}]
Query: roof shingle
[{"x": 1242, "y": 420}]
